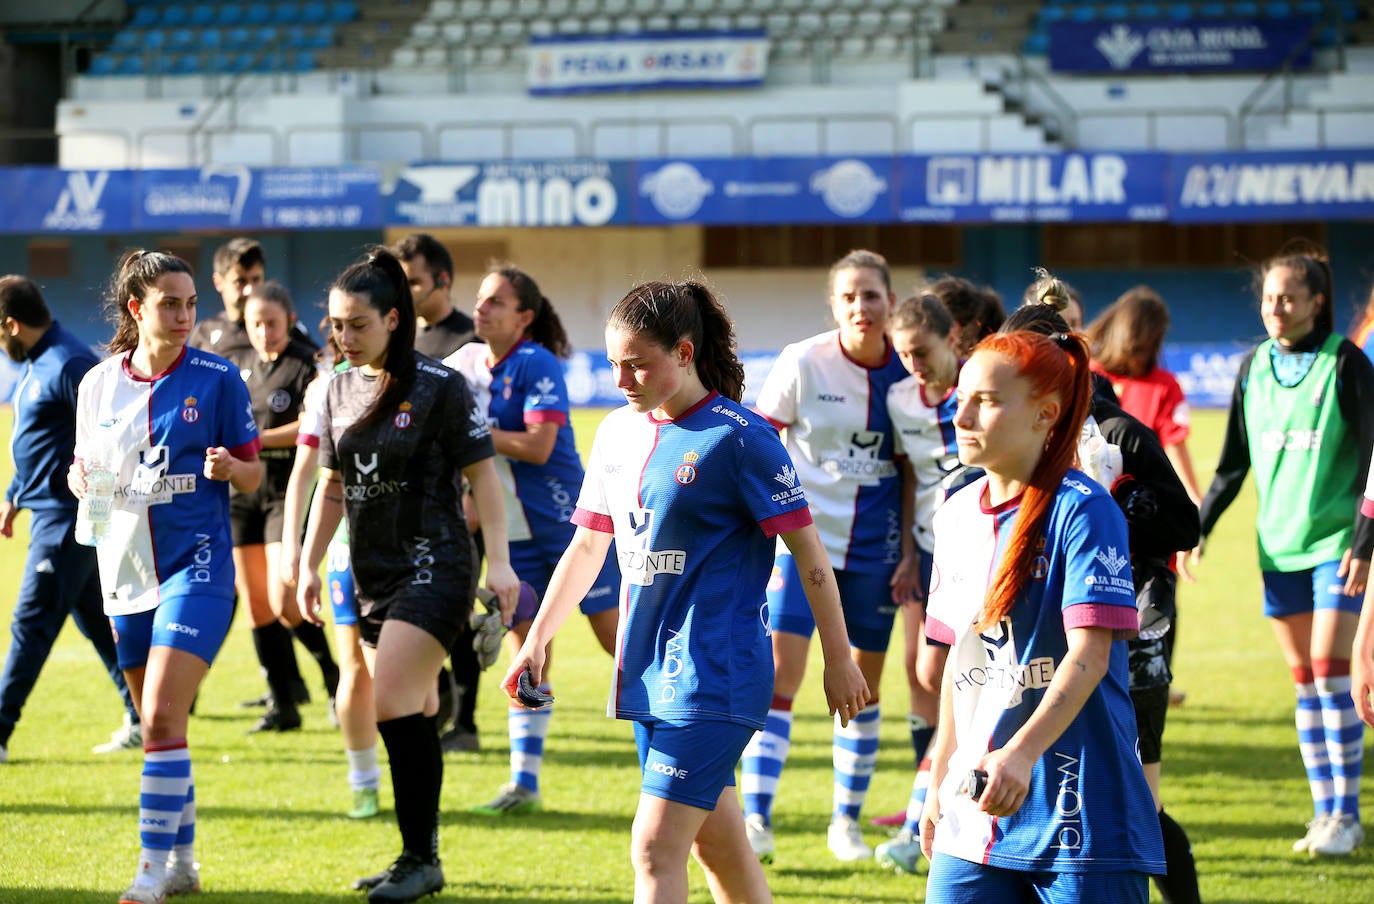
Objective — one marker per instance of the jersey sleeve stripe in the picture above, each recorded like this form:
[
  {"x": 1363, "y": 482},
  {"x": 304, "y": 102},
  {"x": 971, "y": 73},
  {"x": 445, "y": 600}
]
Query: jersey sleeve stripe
[
  {"x": 787, "y": 521},
  {"x": 308, "y": 439},
  {"x": 1367, "y": 507},
  {"x": 248, "y": 451},
  {"x": 938, "y": 631},
  {"x": 1101, "y": 615},
  {"x": 593, "y": 521},
  {"x": 546, "y": 416}
]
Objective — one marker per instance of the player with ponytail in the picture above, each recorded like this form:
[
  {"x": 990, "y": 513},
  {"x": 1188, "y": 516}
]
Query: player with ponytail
[
  {"x": 695, "y": 488},
  {"x": 1032, "y": 590}
]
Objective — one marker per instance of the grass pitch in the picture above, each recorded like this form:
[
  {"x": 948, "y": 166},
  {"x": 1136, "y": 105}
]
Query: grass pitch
[{"x": 271, "y": 828}]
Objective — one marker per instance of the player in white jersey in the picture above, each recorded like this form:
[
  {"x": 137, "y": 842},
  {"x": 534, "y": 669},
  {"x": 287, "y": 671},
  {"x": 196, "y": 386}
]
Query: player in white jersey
[
  {"x": 922, "y": 411},
  {"x": 694, "y": 487},
  {"x": 1362, "y": 654},
  {"x": 176, "y": 427},
  {"x": 1031, "y": 588},
  {"x": 828, "y": 397},
  {"x": 399, "y": 433}
]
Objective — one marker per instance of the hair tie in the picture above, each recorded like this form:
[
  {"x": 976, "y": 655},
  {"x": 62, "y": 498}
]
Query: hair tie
[{"x": 1062, "y": 340}]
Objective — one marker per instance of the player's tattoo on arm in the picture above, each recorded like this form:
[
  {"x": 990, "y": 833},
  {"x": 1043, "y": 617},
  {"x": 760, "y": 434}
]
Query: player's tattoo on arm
[
  {"x": 816, "y": 577},
  {"x": 1082, "y": 667},
  {"x": 331, "y": 498}
]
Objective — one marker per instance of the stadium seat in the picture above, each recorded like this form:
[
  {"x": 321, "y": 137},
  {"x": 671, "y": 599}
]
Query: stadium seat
[
  {"x": 472, "y": 9},
  {"x": 1083, "y": 14},
  {"x": 1050, "y": 13},
  {"x": 103, "y": 64},
  {"x": 1180, "y": 12},
  {"x": 302, "y": 61},
  {"x": 185, "y": 64},
  {"x": 238, "y": 37},
  {"x": 154, "y": 39},
  {"x": 1313, "y": 8},
  {"x": 257, "y": 14},
  {"x": 456, "y": 32},
  {"x": 1278, "y": 9},
  {"x": 146, "y": 17},
  {"x": 539, "y": 28},
  {"x": 343, "y": 11},
  {"x": 175, "y": 15},
  {"x": 266, "y": 35},
  {"x": 229, "y": 14},
  {"x": 127, "y": 40},
  {"x": 286, "y": 13},
  {"x": 500, "y": 9},
  {"x": 130, "y": 64},
  {"x": 1116, "y": 12},
  {"x": 442, "y": 9},
  {"x": 210, "y": 38},
  {"x": 1245, "y": 9},
  {"x": 182, "y": 38},
  {"x": 1037, "y": 43},
  {"x": 202, "y": 15},
  {"x": 1213, "y": 10},
  {"x": 1147, "y": 11},
  {"x": 314, "y": 13}
]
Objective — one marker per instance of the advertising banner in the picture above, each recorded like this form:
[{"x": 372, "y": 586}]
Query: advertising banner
[
  {"x": 1195, "y": 45},
  {"x": 580, "y": 64}
]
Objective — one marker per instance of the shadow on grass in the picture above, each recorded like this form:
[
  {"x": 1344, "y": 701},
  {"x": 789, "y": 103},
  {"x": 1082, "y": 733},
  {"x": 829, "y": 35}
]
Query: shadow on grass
[{"x": 467, "y": 892}]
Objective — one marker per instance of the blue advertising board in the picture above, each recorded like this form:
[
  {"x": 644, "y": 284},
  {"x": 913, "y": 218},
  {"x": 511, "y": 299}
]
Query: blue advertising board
[
  {"x": 1019, "y": 188},
  {"x": 511, "y": 193},
  {"x": 764, "y": 190},
  {"x": 213, "y": 197},
  {"x": 1273, "y": 185},
  {"x": 1193, "y": 45}
]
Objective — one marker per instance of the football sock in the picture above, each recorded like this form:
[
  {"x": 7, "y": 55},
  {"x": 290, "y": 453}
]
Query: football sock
[
  {"x": 184, "y": 849},
  {"x": 1344, "y": 733},
  {"x": 921, "y": 733},
  {"x": 313, "y": 638},
  {"x": 763, "y": 759},
  {"x": 467, "y": 675},
  {"x": 417, "y": 775},
  {"x": 163, "y": 797},
  {"x": 363, "y": 771},
  {"x": 1180, "y": 885},
  {"x": 528, "y": 728},
  {"x": 1312, "y": 743},
  {"x": 854, "y": 754},
  {"x": 919, "y": 789},
  {"x": 273, "y": 644}
]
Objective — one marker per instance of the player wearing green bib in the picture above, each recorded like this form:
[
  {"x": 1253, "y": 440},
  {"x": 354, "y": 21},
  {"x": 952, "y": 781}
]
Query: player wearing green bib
[{"x": 1300, "y": 420}]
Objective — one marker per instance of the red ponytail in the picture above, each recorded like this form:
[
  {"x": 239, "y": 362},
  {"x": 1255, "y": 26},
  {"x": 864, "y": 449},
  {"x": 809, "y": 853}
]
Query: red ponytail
[{"x": 1054, "y": 365}]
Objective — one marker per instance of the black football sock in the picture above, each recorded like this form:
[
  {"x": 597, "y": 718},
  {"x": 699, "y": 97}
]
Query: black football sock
[
  {"x": 312, "y": 637},
  {"x": 1180, "y": 885},
  {"x": 417, "y": 774}
]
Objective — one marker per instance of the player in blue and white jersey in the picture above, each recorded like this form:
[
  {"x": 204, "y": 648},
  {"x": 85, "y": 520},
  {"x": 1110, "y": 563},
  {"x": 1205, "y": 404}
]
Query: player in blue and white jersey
[
  {"x": 922, "y": 411},
  {"x": 1032, "y": 589},
  {"x": 399, "y": 433},
  {"x": 694, "y": 487},
  {"x": 175, "y": 425},
  {"x": 828, "y": 397},
  {"x": 517, "y": 378}
]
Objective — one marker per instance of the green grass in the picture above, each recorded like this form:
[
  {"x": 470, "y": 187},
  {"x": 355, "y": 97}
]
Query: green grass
[{"x": 271, "y": 829}]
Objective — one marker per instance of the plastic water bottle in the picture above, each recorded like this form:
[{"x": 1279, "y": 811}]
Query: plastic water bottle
[{"x": 93, "y": 509}]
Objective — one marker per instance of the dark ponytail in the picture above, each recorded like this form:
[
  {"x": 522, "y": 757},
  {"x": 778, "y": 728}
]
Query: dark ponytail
[
  {"x": 380, "y": 279},
  {"x": 667, "y": 313},
  {"x": 545, "y": 328},
  {"x": 137, "y": 272}
]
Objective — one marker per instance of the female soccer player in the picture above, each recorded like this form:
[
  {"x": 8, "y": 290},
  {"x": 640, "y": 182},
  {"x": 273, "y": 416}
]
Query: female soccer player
[
  {"x": 1300, "y": 418},
  {"x": 926, "y": 339},
  {"x": 1032, "y": 586},
  {"x": 1126, "y": 341},
  {"x": 694, "y": 488},
  {"x": 356, "y": 713},
  {"x": 277, "y": 370},
  {"x": 399, "y": 430},
  {"x": 828, "y": 396},
  {"x": 175, "y": 425},
  {"x": 517, "y": 378}
]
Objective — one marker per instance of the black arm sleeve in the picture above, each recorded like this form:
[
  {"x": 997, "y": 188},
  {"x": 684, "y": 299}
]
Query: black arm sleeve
[
  {"x": 1235, "y": 455},
  {"x": 1355, "y": 395},
  {"x": 1169, "y": 523}
]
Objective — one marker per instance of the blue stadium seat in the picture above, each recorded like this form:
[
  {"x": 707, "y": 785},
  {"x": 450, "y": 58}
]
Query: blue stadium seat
[
  {"x": 153, "y": 40},
  {"x": 1245, "y": 9},
  {"x": 1116, "y": 12},
  {"x": 175, "y": 15},
  {"x": 130, "y": 64},
  {"x": 204, "y": 14},
  {"x": 241, "y": 62},
  {"x": 146, "y": 17},
  {"x": 295, "y": 36},
  {"x": 1054, "y": 13},
  {"x": 302, "y": 61},
  {"x": 238, "y": 36},
  {"x": 286, "y": 13},
  {"x": 1313, "y": 8},
  {"x": 211, "y": 38},
  {"x": 270, "y": 61},
  {"x": 343, "y": 11},
  {"x": 1147, "y": 11},
  {"x": 1211, "y": 10},
  {"x": 1278, "y": 9},
  {"x": 229, "y": 14},
  {"x": 1037, "y": 43},
  {"x": 314, "y": 12},
  {"x": 186, "y": 64},
  {"x": 103, "y": 64},
  {"x": 257, "y": 14},
  {"x": 1083, "y": 14},
  {"x": 127, "y": 40},
  {"x": 321, "y": 36},
  {"x": 182, "y": 38},
  {"x": 1180, "y": 12},
  {"x": 267, "y": 34}
]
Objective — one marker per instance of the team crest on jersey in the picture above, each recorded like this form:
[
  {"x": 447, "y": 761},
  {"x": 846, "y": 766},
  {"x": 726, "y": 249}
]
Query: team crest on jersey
[
  {"x": 686, "y": 474},
  {"x": 279, "y": 401},
  {"x": 1040, "y": 566},
  {"x": 190, "y": 414},
  {"x": 505, "y": 389},
  {"x": 403, "y": 417}
]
